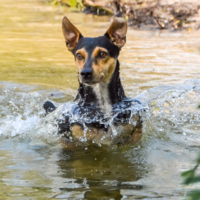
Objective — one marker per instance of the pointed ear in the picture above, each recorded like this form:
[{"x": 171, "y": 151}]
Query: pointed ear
[
  {"x": 71, "y": 34},
  {"x": 117, "y": 32}
]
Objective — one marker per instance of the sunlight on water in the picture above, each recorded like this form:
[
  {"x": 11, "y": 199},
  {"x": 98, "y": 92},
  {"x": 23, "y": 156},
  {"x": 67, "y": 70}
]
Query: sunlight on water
[{"x": 36, "y": 67}]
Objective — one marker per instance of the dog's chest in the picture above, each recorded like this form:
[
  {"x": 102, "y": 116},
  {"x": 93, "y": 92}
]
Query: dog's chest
[
  {"x": 103, "y": 98},
  {"x": 88, "y": 123},
  {"x": 99, "y": 128},
  {"x": 112, "y": 135}
]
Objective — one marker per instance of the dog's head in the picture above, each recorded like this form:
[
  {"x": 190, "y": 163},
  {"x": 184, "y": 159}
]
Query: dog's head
[{"x": 95, "y": 58}]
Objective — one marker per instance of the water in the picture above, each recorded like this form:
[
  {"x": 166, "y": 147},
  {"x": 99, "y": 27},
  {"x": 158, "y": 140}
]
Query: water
[{"x": 35, "y": 66}]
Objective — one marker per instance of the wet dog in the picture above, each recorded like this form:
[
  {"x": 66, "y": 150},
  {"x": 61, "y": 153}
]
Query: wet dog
[{"x": 100, "y": 95}]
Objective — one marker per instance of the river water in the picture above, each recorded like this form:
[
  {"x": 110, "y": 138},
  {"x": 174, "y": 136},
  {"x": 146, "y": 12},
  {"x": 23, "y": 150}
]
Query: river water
[{"x": 35, "y": 66}]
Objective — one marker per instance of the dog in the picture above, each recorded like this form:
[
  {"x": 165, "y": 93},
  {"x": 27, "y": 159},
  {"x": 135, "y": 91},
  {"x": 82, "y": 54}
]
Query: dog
[{"x": 100, "y": 91}]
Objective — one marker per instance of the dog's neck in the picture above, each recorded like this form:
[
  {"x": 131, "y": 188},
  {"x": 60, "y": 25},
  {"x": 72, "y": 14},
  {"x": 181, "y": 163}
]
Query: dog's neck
[{"x": 101, "y": 94}]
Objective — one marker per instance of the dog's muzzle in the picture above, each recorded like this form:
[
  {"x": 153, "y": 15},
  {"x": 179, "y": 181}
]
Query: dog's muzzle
[{"x": 86, "y": 74}]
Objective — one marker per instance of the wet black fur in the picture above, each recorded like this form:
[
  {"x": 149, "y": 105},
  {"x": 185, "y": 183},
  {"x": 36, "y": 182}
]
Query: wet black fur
[
  {"x": 85, "y": 93},
  {"x": 86, "y": 97}
]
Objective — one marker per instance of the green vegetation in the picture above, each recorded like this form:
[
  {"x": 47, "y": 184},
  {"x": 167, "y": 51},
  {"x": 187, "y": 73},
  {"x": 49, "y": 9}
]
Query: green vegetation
[
  {"x": 74, "y": 4},
  {"x": 190, "y": 178}
]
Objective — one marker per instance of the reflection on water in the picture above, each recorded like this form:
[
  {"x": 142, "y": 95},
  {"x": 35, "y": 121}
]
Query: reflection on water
[
  {"x": 61, "y": 173},
  {"x": 35, "y": 165}
]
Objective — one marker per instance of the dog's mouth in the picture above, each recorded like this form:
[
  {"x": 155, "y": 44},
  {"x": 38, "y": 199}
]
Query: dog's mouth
[{"x": 92, "y": 81}]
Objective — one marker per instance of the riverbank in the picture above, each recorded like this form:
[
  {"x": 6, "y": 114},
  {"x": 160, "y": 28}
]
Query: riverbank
[{"x": 156, "y": 14}]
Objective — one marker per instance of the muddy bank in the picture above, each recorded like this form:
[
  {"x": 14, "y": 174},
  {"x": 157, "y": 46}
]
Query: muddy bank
[
  {"x": 173, "y": 15},
  {"x": 156, "y": 14}
]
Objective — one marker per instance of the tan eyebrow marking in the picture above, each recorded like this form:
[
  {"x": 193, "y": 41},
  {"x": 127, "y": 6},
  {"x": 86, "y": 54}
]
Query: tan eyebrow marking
[
  {"x": 96, "y": 51},
  {"x": 80, "y": 63},
  {"x": 82, "y": 51}
]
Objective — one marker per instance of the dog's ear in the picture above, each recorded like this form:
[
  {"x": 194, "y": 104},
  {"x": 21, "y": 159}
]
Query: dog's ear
[
  {"x": 71, "y": 34},
  {"x": 117, "y": 32}
]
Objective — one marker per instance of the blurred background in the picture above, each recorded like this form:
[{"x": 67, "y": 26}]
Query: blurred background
[
  {"x": 160, "y": 35},
  {"x": 163, "y": 48}
]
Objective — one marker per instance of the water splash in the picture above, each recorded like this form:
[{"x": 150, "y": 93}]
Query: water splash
[
  {"x": 21, "y": 113},
  {"x": 18, "y": 112},
  {"x": 173, "y": 112},
  {"x": 84, "y": 116},
  {"x": 167, "y": 109}
]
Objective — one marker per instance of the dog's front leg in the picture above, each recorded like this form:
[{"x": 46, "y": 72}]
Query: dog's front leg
[{"x": 49, "y": 107}]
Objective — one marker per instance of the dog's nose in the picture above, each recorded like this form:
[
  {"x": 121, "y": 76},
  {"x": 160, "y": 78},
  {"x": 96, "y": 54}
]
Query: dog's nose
[{"x": 86, "y": 73}]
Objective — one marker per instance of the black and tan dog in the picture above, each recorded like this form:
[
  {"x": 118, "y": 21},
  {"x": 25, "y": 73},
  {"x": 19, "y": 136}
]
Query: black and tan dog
[{"x": 100, "y": 90}]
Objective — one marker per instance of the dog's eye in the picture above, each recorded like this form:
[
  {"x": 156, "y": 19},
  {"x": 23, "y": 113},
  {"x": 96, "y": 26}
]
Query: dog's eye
[
  {"x": 79, "y": 56},
  {"x": 102, "y": 54}
]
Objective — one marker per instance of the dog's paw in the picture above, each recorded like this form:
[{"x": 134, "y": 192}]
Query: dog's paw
[{"x": 49, "y": 107}]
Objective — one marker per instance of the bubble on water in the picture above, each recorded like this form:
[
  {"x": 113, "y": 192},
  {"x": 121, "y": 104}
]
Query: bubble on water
[
  {"x": 114, "y": 131},
  {"x": 83, "y": 139}
]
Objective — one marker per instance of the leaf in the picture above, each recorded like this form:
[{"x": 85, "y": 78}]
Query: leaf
[
  {"x": 188, "y": 173},
  {"x": 187, "y": 181},
  {"x": 194, "y": 195},
  {"x": 198, "y": 158},
  {"x": 192, "y": 180},
  {"x": 72, "y": 3}
]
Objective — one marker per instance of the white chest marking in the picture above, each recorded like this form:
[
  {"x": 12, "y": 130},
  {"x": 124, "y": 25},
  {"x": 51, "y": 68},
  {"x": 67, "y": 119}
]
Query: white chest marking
[{"x": 101, "y": 91}]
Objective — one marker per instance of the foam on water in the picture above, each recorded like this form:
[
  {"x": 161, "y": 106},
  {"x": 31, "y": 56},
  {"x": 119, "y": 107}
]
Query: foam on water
[
  {"x": 173, "y": 112},
  {"x": 19, "y": 112},
  {"x": 167, "y": 108}
]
